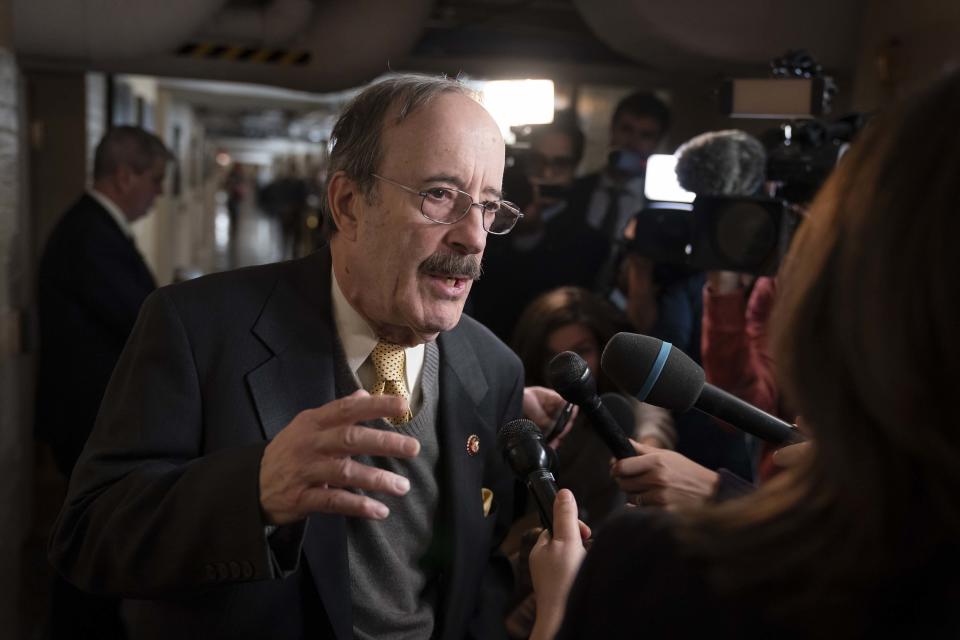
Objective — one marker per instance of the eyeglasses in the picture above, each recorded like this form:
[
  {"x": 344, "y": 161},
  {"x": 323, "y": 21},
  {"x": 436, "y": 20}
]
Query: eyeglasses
[{"x": 446, "y": 205}]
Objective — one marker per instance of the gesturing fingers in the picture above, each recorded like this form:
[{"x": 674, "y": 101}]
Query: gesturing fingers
[
  {"x": 348, "y": 473},
  {"x": 332, "y": 500},
  {"x": 357, "y": 407},
  {"x": 354, "y": 439}
]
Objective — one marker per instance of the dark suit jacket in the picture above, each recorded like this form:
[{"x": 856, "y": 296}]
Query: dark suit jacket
[
  {"x": 91, "y": 284},
  {"x": 163, "y": 505}
]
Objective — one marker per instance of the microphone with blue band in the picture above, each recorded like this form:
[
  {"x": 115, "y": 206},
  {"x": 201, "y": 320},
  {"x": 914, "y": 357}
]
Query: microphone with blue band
[
  {"x": 658, "y": 373},
  {"x": 655, "y": 372}
]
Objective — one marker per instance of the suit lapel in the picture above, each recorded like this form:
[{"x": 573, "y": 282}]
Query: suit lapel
[
  {"x": 462, "y": 388},
  {"x": 296, "y": 325}
]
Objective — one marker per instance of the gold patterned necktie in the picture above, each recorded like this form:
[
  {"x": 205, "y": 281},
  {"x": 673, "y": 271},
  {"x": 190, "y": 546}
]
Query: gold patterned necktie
[{"x": 389, "y": 361}]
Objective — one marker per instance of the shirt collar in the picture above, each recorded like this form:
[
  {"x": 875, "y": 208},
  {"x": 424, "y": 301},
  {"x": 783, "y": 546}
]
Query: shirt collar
[
  {"x": 113, "y": 210},
  {"x": 358, "y": 338}
]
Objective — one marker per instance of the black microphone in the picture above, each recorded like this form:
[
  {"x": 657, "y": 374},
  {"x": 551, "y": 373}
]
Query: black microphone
[
  {"x": 622, "y": 412},
  {"x": 570, "y": 376},
  {"x": 521, "y": 444},
  {"x": 656, "y": 372}
]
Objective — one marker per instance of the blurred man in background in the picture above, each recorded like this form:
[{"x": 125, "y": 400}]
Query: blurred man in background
[{"x": 92, "y": 281}]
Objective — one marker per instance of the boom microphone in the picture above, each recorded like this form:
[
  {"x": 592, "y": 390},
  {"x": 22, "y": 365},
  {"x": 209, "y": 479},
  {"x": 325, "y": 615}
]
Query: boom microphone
[
  {"x": 656, "y": 372},
  {"x": 570, "y": 376},
  {"x": 521, "y": 444}
]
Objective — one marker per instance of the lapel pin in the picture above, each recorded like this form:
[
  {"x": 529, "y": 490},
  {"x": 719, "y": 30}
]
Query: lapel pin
[{"x": 473, "y": 445}]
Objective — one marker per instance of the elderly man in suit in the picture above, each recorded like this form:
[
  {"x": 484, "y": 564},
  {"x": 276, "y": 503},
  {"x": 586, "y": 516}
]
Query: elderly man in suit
[
  {"x": 306, "y": 449},
  {"x": 92, "y": 282}
]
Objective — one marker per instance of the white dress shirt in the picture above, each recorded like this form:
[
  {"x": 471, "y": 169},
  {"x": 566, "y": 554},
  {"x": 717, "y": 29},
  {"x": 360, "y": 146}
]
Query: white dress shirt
[
  {"x": 113, "y": 210},
  {"x": 631, "y": 201},
  {"x": 358, "y": 340}
]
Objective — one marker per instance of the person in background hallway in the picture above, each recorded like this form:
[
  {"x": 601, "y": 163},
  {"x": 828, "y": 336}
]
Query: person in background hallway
[
  {"x": 605, "y": 201},
  {"x": 91, "y": 283},
  {"x": 235, "y": 185},
  {"x": 307, "y": 449},
  {"x": 859, "y": 538},
  {"x": 550, "y": 246}
]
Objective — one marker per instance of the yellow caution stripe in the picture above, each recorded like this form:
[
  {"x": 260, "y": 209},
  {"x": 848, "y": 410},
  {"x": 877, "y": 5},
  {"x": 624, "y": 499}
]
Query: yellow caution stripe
[{"x": 214, "y": 51}]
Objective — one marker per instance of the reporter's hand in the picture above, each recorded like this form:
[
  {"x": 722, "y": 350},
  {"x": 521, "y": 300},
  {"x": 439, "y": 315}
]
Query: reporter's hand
[
  {"x": 307, "y": 467},
  {"x": 662, "y": 478},
  {"x": 542, "y": 406},
  {"x": 792, "y": 454},
  {"x": 554, "y": 562}
]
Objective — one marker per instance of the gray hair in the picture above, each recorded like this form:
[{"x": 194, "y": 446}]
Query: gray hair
[
  {"x": 358, "y": 134},
  {"x": 128, "y": 146},
  {"x": 722, "y": 163}
]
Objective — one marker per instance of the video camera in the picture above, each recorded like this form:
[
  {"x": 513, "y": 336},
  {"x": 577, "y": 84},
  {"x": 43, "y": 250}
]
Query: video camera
[
  {"x": 710, "y": 233},
  {"x": 749, "y": 234}
]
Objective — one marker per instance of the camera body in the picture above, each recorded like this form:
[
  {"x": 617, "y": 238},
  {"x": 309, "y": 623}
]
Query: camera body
[{"x": 716, "y": 233}]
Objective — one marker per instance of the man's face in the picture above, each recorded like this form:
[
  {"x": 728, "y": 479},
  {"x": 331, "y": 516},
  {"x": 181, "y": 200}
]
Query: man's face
[
  {"x": 382, "y": 259},
  {"x": 551, "y": 160},
  {"x": 141, "y": 189},
  {"x": 639, "y": 134}
]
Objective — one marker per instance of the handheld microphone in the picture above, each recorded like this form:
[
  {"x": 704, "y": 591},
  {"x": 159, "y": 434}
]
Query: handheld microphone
[
  {"x": 570, "y": 376},
  {"x": 621, "y": 411},
  {"x": 521, "y": 444},
  {"x": 656, "y": 372}
]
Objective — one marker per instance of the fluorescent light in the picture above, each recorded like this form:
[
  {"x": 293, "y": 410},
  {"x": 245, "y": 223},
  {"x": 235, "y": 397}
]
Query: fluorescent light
[
  {"x": 518, "y": 102},
  {"x": 661, "y": 180}
]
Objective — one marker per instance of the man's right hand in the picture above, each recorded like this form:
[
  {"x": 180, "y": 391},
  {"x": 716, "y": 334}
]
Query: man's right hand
[{"x": 307, "y": 468}]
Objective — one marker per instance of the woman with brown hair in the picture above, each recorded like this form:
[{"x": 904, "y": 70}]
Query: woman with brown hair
[{"x": 863, "y": 534}]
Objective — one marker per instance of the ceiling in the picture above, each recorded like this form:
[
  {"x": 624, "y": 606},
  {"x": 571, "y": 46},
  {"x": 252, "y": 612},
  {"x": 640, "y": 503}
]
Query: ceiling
[
  {"x": 331, "y": 45},
  {"x": 298, "y": 60}
]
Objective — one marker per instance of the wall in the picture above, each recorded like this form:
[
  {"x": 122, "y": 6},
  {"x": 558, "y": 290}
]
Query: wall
[{"x": 16, "y": 365}]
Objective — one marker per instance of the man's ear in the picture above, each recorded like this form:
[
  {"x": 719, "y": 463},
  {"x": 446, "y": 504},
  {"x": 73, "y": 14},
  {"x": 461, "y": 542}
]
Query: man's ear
[
  {"x": 122, "y": 178},
  {"x": 344, "y": 199}
]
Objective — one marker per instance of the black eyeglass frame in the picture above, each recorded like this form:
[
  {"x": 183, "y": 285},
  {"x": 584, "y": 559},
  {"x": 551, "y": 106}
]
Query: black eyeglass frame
[{"x": 483, "y": 206}]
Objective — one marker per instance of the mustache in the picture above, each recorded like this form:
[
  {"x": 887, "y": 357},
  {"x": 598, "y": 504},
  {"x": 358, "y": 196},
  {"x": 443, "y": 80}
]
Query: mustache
[{"x": 452, "y": 265}]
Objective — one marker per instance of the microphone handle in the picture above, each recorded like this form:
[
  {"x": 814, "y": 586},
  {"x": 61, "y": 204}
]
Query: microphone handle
[
  {"x": 744, "y": 416},
  {"x": 543, "y": 486},
  {"x": 607, "y": 428}
]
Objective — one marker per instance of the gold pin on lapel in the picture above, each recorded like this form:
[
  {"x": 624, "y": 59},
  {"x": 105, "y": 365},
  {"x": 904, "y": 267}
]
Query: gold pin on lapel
[{"x": 473, "y": 445}]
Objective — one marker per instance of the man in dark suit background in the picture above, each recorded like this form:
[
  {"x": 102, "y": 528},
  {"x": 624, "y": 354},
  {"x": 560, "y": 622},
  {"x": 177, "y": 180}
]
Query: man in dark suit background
[
  {"x": 307, "y": 449},
  {"x": 92, "y": 281}
]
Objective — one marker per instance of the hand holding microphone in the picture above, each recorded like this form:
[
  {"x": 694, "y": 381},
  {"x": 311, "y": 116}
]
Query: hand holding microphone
[
  {"x": 549, "y": 411},
  {"x": 554, "y": 562},
  {"x": 662, "y": 478}
]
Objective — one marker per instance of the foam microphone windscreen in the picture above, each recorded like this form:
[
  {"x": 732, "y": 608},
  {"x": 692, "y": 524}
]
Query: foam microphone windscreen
[{"x": 629, "y": 359}]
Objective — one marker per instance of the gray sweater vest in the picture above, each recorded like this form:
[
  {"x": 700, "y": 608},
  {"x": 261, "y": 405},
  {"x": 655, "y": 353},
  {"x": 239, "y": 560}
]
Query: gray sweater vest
[{"x": 394, "y": 595}]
